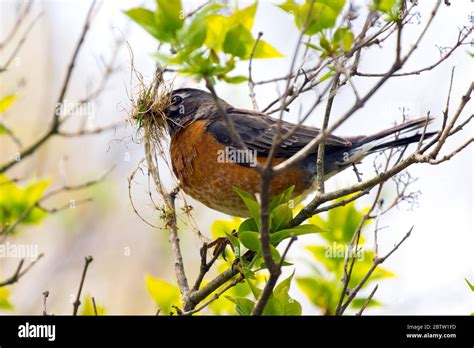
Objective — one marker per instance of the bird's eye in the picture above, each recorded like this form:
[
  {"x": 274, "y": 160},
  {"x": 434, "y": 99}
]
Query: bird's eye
[{"x": 176, "y": 100}]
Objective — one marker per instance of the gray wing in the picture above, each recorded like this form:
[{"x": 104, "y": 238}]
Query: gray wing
[{"x": 257, "y": 131}]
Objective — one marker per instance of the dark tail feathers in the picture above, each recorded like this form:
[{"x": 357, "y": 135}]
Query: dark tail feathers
[{"x": 400, "y": 140}]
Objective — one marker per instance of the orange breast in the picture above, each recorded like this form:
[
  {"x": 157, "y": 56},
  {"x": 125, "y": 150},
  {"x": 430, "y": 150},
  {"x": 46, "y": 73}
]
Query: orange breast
[{"x": 196, "y": 157}]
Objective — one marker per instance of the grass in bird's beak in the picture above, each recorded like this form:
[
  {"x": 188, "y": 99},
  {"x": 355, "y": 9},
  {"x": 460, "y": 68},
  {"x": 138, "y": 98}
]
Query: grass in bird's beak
[{"x": 149, "y": 108}]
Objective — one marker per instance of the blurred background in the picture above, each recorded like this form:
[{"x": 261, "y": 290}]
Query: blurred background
[{"x": 430, "y": 267}]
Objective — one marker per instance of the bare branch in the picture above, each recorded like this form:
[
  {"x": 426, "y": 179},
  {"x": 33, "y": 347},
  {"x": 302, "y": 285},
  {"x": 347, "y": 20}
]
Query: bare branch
[
  {"x": 376, "y": 263},
  {"x": 77, "y": 302},
  {"x": 23, "y": 14},
  {"x": 460, "y": 42},
  {"x": 321, "y": 146},
  {"x": 216, "y": 296},
  {"x": 20, "y": 272},
  {"x": 214, "y": 284},
  {"x": 11, "y": 134},
  {"x": 53, "y": 129},
  {"x": 170, "y": 220},
  {"x": 45, "y": 300},
  {"x": 359, "y": 313},
  {"x": 22, "y": 41},
  {"x": 251, "y": 84},
  {"x": 205, "y": 266}
]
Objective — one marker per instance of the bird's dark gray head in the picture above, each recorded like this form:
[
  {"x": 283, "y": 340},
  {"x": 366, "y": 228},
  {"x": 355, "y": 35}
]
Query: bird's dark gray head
[{"x": 187, "y": 105}]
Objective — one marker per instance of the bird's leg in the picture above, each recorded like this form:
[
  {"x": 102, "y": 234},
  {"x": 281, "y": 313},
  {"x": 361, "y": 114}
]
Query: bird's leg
[{"x": 220, "y": 244}]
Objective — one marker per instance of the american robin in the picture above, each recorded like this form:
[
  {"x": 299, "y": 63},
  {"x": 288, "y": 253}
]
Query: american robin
[{"x": 208, "y": 164}]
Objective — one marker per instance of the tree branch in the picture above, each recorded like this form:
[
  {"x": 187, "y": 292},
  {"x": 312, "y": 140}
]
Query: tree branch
[
  {"x": 20, "y": 272},
  {"x": 77, "y": 302}
]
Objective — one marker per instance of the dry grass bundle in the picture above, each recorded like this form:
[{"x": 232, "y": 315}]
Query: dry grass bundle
[{"x": 149, "y": 109}]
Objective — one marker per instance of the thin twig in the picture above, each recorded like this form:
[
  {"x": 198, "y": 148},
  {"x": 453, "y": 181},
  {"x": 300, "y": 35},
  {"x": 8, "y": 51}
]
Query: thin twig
[
  {"x": 170, "y": 220},
  {"x": 94, "y": 306},
  {"x": 21, "y": 17},
  {"x": 216, "y": 296},
  {"x": 20, "y": 272},
  {"x": 22, "y": 41},
  {"x": 359, "y": 313},
  {"x": 322, "y": 144},
  {"x": 376, "y": 263},
  {"x": 11, "y": 134},
  {"x": 45, "y": 300},
  {"x": 77, "y": 302},
  {"x": 53, "y": 129},
  {"x": 251, "y": 84}
]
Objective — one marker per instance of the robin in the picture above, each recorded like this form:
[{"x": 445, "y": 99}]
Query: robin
[{"x": 209, "y": 164}]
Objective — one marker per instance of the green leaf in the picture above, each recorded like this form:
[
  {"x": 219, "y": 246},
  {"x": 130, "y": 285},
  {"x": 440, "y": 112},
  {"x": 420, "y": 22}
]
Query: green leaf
[
  {"x": 358, "y": 303},
  {"x": 275, "y": 253},
  {"x": 88, "y": 308},
  {"x": 326, "y": 76},
  {"x": 288, "y": 305},
  {"x": 251, "y": 204},
  {"x": 277, "y": 237},
  {"x": 17, "y": 201},
  {"x": 314, "y": 47},
  {"x": 264, "y": 50},
  {"x": 291, "y": 306},
  {"x": 222, "y": 305},
  {"x": 222, "y": 228},
  {"x": 250, "y": 240},
  {"x": 216, "y": 31},
  {"x": 283, "y": 197},
  {"x": 253, "y": 288},
  {"x": 323, "y": 14},
  {"x": 248, "y": 225},
  {"x": 272, "y": 308},
  {"x": 162, "y": 24},
  {"x": 238, "y": 42},
  {"x": 4, "y": 299},
  {"x": 469, "y": 283},
  {"x": 284, "y": 286},
  {"x": 243, "y": 306},
  {"x": 195, "y": 34},
  {"x": 233, "y": 240},
  {"x": 164, "y": 294},
  {"x": 146, "y": 19},
  {"x": 344, "y": 39},
  {"x": 324, "y": 43},
  {"x": 234, "y": 79},
  {"x": 6, "y": 102},
  {"x": 322, "y": 293},
  {"x": 169, "y": 15},
  {"x": 280, "y": 217},
  {"x": 385, "y": 6},
  {"x": 289, "y": 6},
  {"x": 245, "y": 16}
]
